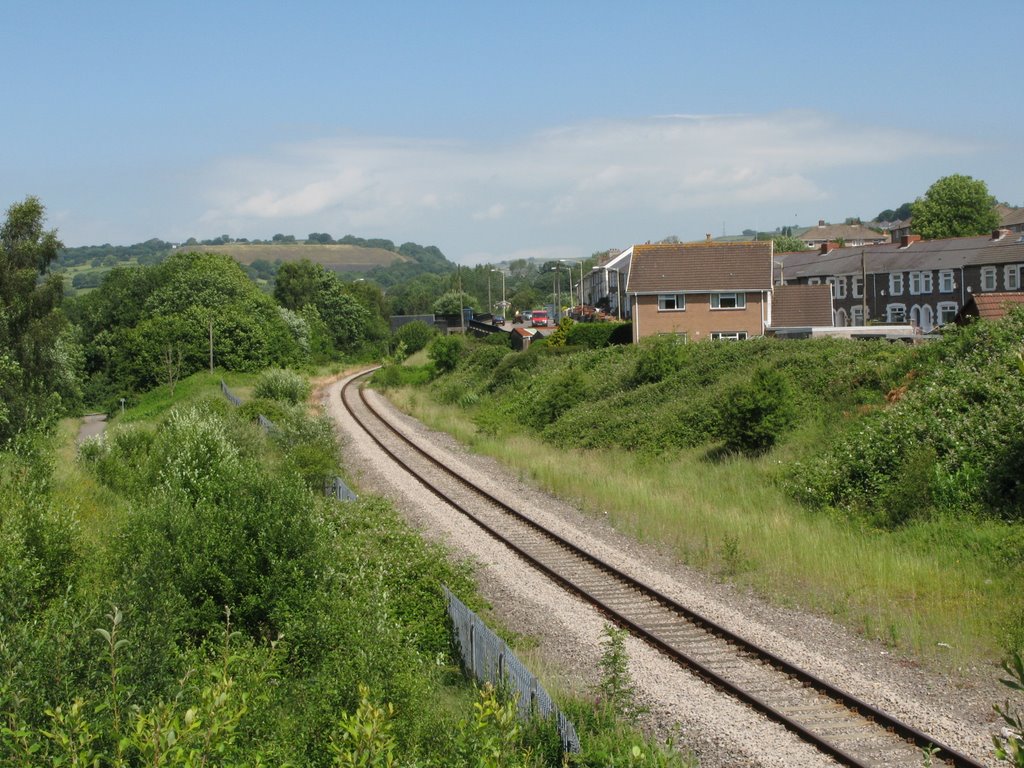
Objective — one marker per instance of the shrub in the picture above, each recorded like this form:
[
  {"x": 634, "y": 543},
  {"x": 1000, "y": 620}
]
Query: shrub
[
  {"x": 446, "y": 351},
  {"x": 757, "y": 412},
  {"x": 658, "y": 358},
  {"x": 280, "y": 384},
  {"x": 415, "y": 335}
]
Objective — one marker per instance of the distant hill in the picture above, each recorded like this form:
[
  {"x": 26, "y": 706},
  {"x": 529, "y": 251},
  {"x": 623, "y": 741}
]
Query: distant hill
[{"x": 334, "y": 256}]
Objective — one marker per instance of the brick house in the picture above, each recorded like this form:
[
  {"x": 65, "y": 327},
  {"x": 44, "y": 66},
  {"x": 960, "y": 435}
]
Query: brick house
[
  {"x": 922, "y": 282},
  {"x": 703, "y": 290}
]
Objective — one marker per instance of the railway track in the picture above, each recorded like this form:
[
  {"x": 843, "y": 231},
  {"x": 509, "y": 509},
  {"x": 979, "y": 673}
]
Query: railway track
[{"x": 852, "y": 731}]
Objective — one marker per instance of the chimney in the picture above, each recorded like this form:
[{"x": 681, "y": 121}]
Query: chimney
[
  {"x": 906, "y": 240},
  {"x": 821, "y": 223},
  {"x": 707, "y": 237},
  {"x": 829, "y": 246},
  {"x": 999, "y": 234}
]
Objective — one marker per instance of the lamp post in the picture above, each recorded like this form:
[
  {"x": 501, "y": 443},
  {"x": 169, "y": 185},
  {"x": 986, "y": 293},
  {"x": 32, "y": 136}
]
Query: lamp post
[
  {"x": 556, "y": 269},
  {"x": 576, "y": 261},
  {"x": 490, "y": 304}
]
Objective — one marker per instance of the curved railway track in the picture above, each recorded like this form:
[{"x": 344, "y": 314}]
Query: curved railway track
[{"x": 852, "y": 731}]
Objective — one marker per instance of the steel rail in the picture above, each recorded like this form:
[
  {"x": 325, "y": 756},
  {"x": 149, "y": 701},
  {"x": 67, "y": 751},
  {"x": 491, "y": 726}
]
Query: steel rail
[{"x": 851, "y": 702}]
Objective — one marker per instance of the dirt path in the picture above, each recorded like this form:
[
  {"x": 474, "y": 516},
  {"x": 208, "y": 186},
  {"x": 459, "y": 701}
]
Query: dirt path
[{"x": 92, "y": 424}]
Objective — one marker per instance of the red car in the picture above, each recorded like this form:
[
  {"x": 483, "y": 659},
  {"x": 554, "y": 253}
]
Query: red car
[{"x": 540, "y": 318}]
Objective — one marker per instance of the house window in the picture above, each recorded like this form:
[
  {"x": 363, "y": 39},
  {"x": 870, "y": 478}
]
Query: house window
[
  {"x": 814, "y": 281},
  {"x": 926, "y": 282},
  {"x": 988, "y": 278},
  {"x": 896, "y": 313},
  {"x": 728, "y": 335},
  {"x": 915, "y": 283},
  {"x": 1011, "y": 276},
  {"x": 896, "y": 283},
  {"x": 669, "y": 302},
  {"x": 857, "y": 287},
  {"x": 856, "y": 315},
  {"x": 946, "y": 312},
  {"x": 838, "y": 286},
  {"x": 728, "y": 300},
  {"x": 946, "y": 284}
]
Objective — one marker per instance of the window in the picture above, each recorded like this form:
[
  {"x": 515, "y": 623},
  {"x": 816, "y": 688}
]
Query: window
[
  {"x": 1011, "y": 276},
  {"x": 896, "y": 313},
  {"x": 947, "y": 312},
  {"x": 669, "y": 302},
  {"x": 857, "y": 287},
  {"x": 728, "y": 300},
  {"x": 946, "y": 284},
  {"x": 915, "y": 283},
  {"x": 838, "y": 286},
  {"x": 814, "y": 281},
  {"x": 856, "y": 315},
  {"x": 988, "y": 278},
  {"x": 896, "y": 283},
  {"x": 926, "y": 282},
  {"x": 728, "y": 335}
]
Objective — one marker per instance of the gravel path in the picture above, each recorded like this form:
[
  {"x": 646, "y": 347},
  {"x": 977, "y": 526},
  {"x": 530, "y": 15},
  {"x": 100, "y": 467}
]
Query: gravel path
[
  {"x": 92, "y": 424},
  {"x": 721, "y": 732}
]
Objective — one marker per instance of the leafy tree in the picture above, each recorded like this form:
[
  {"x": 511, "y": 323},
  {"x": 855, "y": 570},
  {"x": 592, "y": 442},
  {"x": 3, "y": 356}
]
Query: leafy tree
[
  {"x": 446, "y": 351},
  {"x": 787, "y": 243},
  {"x": 955, "y": 206},
  {"x": 39, "y": 361},
  {"x": 302, "y": 284},
  {"x": 757, "y": 412},
  {"x": 415, "y": 335},
  {"x": 452, "y": 302}
]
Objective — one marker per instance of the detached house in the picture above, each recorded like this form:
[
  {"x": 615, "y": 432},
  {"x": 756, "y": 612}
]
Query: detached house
[{"x": 702, "y": 290}]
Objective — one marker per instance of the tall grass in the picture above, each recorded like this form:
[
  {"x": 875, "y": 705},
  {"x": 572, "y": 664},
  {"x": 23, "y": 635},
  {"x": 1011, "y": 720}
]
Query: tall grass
[{"x": 932, "y": 588}]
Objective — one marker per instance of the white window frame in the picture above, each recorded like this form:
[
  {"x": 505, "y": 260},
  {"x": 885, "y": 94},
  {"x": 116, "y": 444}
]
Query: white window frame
[
  {"x": 896, "y": 283},
  {"x": 838, "y": 286},
  {"x": 857, "y": 315},
  {"x": 948, "y": 308},
  {"x": 728, "y": 335},
  {"x": 677, "y": 299},
  {"x": 857, "y": 286},
  {"x": 989, "y": 278},
  {"x": 739, "y": 299},
  {"x": 1011, "y": 276},
  {"x": 946, "y": 284},
  {"x": 893, "y": 309},
  {"x": 915, "y": 283},
  {"x": 926, "y": 282}
]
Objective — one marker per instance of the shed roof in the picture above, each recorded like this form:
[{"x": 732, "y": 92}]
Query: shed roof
[
  {"x": 797, "y": 306},
  {"x": 992, "y": 306},
  {"x": 701, "y": 267}
]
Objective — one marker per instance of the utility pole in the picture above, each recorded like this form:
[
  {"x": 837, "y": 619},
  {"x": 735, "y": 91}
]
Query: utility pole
[
  {"x": 211, "y": 345},
  {"x": 462, "y": 300},
  {"x": 490, "y": 303},
  {"x": 864, "y": 287}
]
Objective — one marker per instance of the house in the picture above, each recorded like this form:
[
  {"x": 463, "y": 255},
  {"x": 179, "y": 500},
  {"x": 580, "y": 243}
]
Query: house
[
  {"x": 703, "y": 290},
  {"x": 1011, "y": 218},
  {"x": 604, "y": 286},
  {"x": 922, "y": 282},
  {"x": 847, "y": 234}
]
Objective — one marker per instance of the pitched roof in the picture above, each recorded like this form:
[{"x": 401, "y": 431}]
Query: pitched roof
[
  {"x": 992, "y": 306},
  {"x": 948, "y": 253},
  {"x": 845, "y": 232},
  {"x": 1011, "y": 217},
  {"x": 801, "y": 306},
  {"x": 701, "y": 267}
]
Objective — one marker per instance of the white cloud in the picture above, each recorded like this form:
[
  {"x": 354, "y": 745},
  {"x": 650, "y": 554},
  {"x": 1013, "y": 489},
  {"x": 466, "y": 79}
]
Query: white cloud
[{"x": 566, "y": 185}]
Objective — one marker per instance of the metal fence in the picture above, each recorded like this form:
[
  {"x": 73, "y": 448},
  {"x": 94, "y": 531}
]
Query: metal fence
[
  {"x": 489, "y": 659},
  {"x": 332, "y": 486}
]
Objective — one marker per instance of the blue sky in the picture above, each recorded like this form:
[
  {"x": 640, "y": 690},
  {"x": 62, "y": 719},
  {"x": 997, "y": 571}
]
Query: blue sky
[{"x": 498, "y": 130}]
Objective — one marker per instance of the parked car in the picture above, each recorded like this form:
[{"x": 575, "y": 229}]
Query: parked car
[
  {"x": 539, "y": 318},
  {"x": 527, "y": 316},
  {"x": 498, "y": 320}
]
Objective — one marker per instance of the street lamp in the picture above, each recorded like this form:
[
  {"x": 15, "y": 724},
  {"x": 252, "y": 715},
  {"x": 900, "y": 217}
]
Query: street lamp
[
  {"x": 558, "y": 294},
  {"x": 575, "y": 261}
]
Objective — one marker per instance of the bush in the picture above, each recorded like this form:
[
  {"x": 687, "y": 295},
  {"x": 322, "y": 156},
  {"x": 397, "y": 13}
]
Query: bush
[
  {"x": 415, "y": 335},
  {"x": 658, "y": 358},
  {"x": 756, "y": 413},
  {"x": 283, "y": 385},
  {"x": 446, "y": 351}
]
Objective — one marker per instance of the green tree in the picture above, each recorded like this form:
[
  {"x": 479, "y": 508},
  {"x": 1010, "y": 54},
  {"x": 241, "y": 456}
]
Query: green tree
[
  {"x": 39, "y": 361},
  {"x": 303, "y": 284},
  {"x": 757, "y": 412},
  {"x": 452, "y": 302},
  {"x": 787, "y": 243},
  {"x": 955, "y": 206}
]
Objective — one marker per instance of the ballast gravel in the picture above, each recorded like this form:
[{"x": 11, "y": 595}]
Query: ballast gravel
[{"x": 698, "y": 718}]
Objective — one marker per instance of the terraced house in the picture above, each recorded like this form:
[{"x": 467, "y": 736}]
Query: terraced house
[
  {"x": 922, "y": 282},
  {"x": 703, "y": 290}
]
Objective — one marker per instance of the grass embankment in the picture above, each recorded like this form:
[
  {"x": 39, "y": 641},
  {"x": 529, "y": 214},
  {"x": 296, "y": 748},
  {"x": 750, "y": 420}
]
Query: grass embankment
[
  {"x": 335, "y": 256},
  {"x": 179, "y": 592},
  {"x": 933, "y": 582}
]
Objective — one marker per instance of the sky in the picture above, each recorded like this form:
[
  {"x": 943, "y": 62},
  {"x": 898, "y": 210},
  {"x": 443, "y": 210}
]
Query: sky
[{"x": 498, "y": 130}]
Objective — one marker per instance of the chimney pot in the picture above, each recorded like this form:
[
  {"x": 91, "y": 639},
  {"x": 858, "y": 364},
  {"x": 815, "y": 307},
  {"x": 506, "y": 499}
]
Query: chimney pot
[
  {"x": 707, "y": 237},
  {"x": 821, "y": 223}
]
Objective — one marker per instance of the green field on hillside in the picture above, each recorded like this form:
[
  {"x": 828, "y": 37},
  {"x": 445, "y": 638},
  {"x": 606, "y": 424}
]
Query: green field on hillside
[{"x": 334, "y": 256}]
